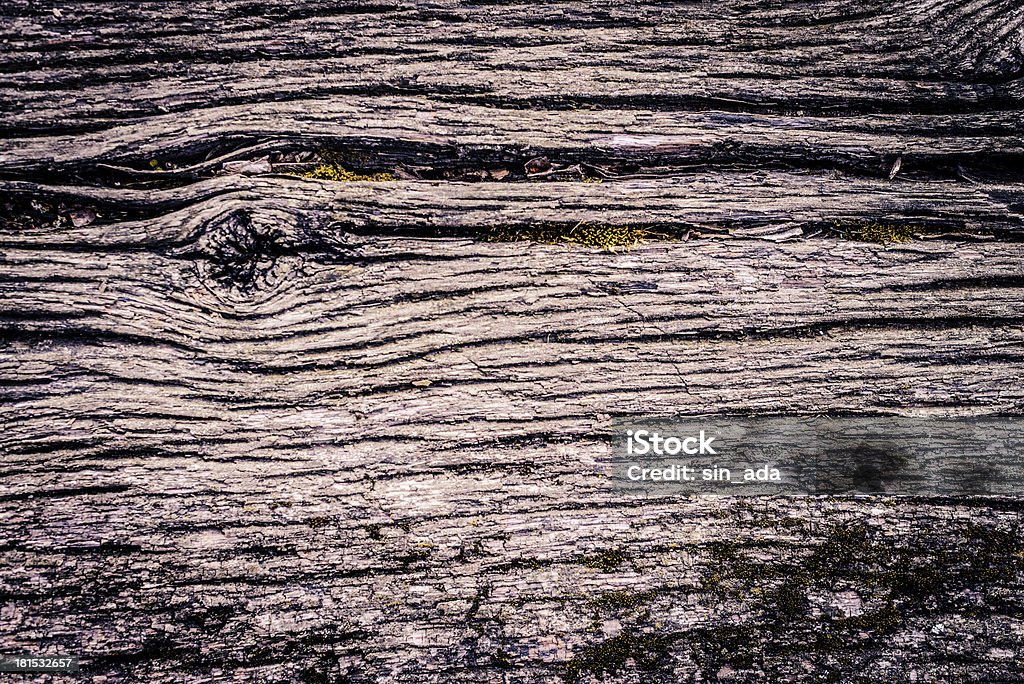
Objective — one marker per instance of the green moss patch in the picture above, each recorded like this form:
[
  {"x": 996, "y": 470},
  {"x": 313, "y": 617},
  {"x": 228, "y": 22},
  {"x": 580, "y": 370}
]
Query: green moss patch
[
  {"x": 606, "y": 560},
  {"x": 911, "y": 577},
  {"x": 601, "y": 235},
  {"x": 649, "y": 653},
  {"x": 878, "y": 232},
  {"x": 338, "y": 173}
]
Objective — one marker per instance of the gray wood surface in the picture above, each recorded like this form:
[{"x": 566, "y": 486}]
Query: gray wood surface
[{"x": 263, "y": 428}]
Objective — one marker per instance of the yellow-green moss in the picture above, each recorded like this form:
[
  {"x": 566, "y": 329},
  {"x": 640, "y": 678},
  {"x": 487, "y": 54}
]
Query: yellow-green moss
[
  {"x": 318, "y": 521},
  {"x": 605, "y": 560},
  {"x": 649, "y": 653},
  {"x": 590, "y": 235},
  {"x": 879, "y": 233},
  {"x": 338, "y": 173}
]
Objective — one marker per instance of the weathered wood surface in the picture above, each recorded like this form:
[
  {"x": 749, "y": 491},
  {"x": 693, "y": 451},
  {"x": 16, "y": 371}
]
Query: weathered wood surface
[
  {"x": 767, "y": 205},
  {"x": 261, "y": 428},
  {"x": 786, "y": 83}
]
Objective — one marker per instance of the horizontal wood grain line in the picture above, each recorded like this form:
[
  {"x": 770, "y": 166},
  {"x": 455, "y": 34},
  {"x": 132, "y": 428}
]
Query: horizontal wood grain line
[
  {"x": 592, "y": 88},
  {"x": 391, "y": 131},
  {"x": 321, "y": 215}
]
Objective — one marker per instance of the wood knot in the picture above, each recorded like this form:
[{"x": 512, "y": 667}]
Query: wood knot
[{"x": 242, "y": 250}]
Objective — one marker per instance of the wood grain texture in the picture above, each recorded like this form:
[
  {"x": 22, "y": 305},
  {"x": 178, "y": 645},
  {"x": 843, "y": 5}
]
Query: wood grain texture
[
  {"x": 433, "y": 82},
  {"x": 768, "y": 205},
  {"x": 418, "y": 131},
  {"x": 263, "y": 428},
  {"x": 260, "y": 485}
]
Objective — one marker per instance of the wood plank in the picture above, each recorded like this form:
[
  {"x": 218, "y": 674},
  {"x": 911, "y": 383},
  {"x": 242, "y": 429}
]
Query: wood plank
[
  {"x": 907, "y": 53},
  {"x": 305, "y": 213},
  {"x": 543, "y": 333},
  {"x": 396, "y": 131},
  {"x": 263, "y": 428},
  {"x": 607, "y": 84},
  {"x": 252, "y": 481}
]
